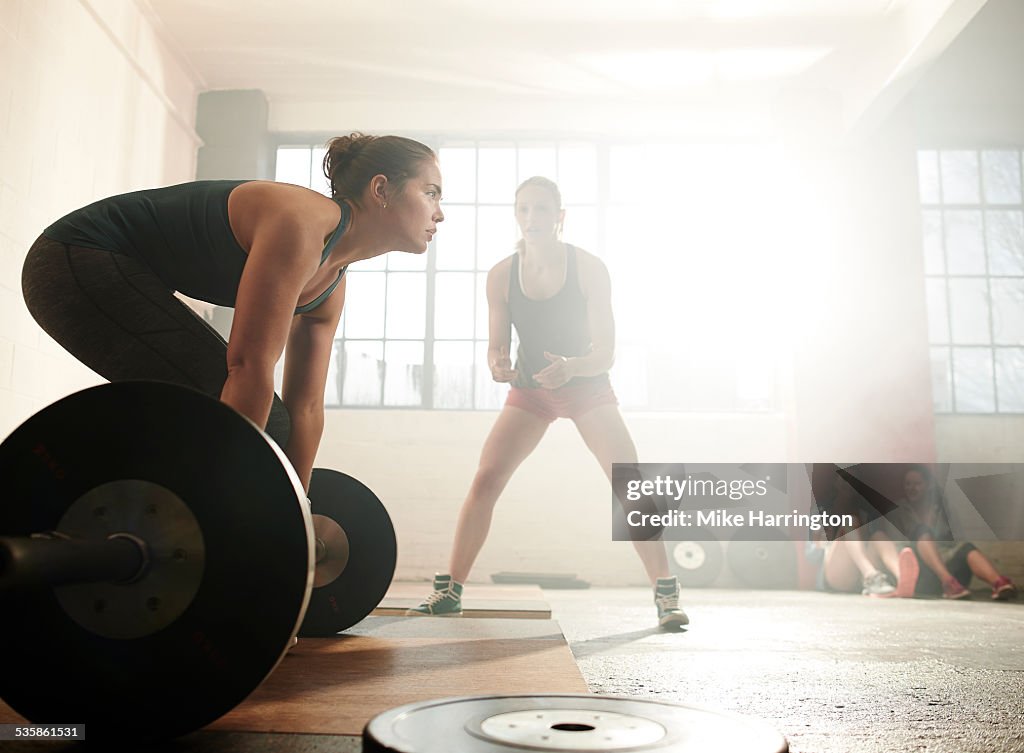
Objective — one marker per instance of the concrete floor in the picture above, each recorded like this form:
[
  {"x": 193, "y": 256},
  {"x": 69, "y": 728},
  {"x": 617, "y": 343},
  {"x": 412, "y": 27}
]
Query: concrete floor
[{"x": 833, "y": 673}]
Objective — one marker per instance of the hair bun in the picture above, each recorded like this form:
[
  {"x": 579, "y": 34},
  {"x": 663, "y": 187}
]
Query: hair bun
[
  {"x": 351, "y": 162},
  {"x": 341, "y": 150}
]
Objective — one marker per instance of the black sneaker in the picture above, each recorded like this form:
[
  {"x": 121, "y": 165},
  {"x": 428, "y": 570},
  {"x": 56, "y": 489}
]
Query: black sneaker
[
  {"x": 666, "y": 598},
  {"x": 444, "y": 601}
]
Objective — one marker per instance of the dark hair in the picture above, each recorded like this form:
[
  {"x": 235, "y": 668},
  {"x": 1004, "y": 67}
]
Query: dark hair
[
  {"x": 351, "y": 161},
  {"x": 547, "y": 184}
]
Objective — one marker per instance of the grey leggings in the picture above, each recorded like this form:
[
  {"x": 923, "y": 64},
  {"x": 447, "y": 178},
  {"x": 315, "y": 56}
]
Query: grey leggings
[{"x": 115, "y": 315}]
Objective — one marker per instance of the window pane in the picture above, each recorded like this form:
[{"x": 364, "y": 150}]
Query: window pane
[
  {"x": 404, "y": 261},
  {"x": 938, "y": 314},
  {"x": 490, "y": 395},
  {"x": 931, "y": 231},
  {"x": 1001, "y": 173},
  {"x": 581, "y": 228},
  {"x": 577, "y": 174},
  {"x": 972, "y": 380},
  {"x": 629, "y": 374},
  {"x": 627, "y": 228},
  {"x": 496, "y": 235},
  {"x": 332, "y": 389},
  {"x": 539, "y": 160},
  {"x": 292, "y": 165},
  {"x": 965, "y": 248},
  {"x": 1004, "y": 232},
  {"x": 960, "y": 182},
  {"x": 317, "y": 180},
  {"x": 403, "y": 373},
  {"x": 482, "y": 312},
  {"x": 458, "y": 174},
  {"x": 928, "y": 177},
  {"x": 942, "y": 387},
  {"x": 362, "y": 369},
  {"x": 627, "y": 168},
  {"x": 1010, "y": 379},
  {"x": 497, "y": 175},
  {"x": 969, "y": 310},
  {"x": 454, "y": 305},
  {"x": 364, "y": 304},
  {"x": 456, "y": 238},
  {"x": 1008, "y": 311},
  {"x": 407, "y": 305},
  {"x": 453, "y": 375}
]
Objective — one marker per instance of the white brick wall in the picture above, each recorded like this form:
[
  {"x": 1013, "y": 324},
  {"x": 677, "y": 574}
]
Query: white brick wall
[
  {"x": 555, "y": 515},
  {"x": 92, "y": 103}
]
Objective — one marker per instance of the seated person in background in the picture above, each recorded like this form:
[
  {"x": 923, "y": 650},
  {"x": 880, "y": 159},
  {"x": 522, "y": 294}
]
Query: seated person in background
[
  {"x": 949, "y": 564},
  {"x": 861, "y": 557}
]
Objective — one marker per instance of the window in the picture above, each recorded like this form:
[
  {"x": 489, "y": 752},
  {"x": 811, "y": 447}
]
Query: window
[
  {"x": 691, "y": 334},
  {"x": 973, "y": 228}
]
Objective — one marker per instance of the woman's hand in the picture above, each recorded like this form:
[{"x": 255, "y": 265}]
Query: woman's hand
[
  {"x": 501, "y": 367},
  {"x": 556, "y": 373}
]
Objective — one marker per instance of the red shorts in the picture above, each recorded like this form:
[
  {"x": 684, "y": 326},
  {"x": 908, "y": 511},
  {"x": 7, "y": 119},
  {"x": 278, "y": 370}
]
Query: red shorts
[{"x": 568, "y": 401}]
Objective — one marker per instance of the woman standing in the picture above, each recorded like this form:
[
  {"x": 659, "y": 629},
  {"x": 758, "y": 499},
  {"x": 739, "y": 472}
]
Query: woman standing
[{"x": 558, "y": 297}]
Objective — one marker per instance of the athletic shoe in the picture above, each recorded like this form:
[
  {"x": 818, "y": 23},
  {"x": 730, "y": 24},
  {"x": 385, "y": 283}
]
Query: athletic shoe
[
  {"x": 666, "y": 597},
  {"x": 1003, "y": 589},
  {"x": 444, "y": 601},
  {"x": 877, "y": 584},
  {"x": 954, "y": 589},
  {"x": 910, "y": 569}
]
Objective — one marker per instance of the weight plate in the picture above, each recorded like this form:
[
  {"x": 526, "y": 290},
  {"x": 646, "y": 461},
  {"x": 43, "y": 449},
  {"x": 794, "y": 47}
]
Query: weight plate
[
  {"x": 358, "y": 553},
  {"x": 173, "y": 569},
  {"x": 763, "y": 564},
  {"x": 491, "y": 724},
  {"x": 257, "y": 562},
  {"x": 695, "y": 563}
]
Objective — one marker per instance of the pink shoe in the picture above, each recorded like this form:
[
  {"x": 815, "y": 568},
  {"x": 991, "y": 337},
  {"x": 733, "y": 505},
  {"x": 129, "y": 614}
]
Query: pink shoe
[
  {"x": 954, "y": 589},
  {"x": 1003, "y": 589},
  {"x": 907, "y": 578}
]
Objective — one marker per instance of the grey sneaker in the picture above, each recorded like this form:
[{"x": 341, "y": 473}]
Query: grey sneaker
[
  {"x": 666, "y": 598},
  {"x": 444, "y": 601},
  {"x": 877, "y": 584}
]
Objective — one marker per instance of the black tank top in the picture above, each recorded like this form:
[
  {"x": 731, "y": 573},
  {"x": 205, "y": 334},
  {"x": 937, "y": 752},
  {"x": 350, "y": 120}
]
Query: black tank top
[
  {"x": 557, "y": 324},
  {"x": 180, "y": 232}
]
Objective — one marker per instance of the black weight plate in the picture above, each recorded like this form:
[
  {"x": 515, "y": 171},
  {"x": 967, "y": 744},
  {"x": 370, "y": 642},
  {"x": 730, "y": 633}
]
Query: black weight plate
[
  {"x": 351, "y": 594},
  {"x": 695, "y": 563},
  {"x": 491, "y": 724},
  {"x": 255, "y": 583},
  {"x": 763, "y": 563}
]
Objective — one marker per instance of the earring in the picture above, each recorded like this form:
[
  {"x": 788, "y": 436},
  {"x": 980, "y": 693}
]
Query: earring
[{"x": 385, "y": 205}]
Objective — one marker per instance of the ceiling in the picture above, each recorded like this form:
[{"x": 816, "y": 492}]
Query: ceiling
[{"x": 543, "y": 63}]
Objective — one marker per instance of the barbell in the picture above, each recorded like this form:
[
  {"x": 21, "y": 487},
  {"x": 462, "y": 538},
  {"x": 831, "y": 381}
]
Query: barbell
[{"x": 158, "y": 556}]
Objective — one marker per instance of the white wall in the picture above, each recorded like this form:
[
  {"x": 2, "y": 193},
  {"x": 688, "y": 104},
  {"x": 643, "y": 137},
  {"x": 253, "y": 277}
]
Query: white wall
[
  {"x": 91, "y": 104},
  {"x": 555, "y": 515}
]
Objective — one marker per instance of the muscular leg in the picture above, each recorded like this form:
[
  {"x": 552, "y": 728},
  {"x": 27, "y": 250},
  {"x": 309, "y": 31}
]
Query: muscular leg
[
  {"x": 117, "y": 317},
  {"x": 606, "y": 435},
  {"x": 513, "y": 437}
]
